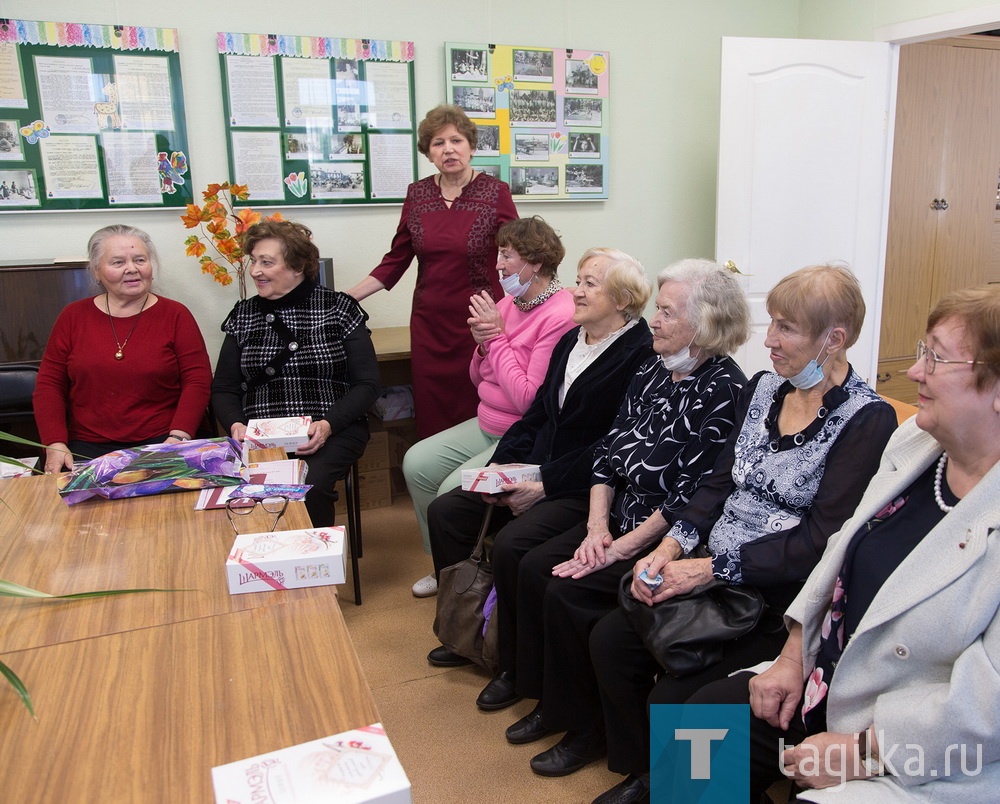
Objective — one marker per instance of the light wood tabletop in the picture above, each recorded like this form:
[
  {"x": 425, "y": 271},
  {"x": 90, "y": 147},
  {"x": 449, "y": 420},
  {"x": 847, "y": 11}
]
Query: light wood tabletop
[
  {"x": 156, "y": 542},
  {"x": 391, "y": 343},
  {"x": 139, "y": 696}
]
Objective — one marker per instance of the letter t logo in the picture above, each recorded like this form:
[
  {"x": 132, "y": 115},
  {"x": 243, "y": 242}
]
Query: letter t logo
[{"x": 701, "y": 748}]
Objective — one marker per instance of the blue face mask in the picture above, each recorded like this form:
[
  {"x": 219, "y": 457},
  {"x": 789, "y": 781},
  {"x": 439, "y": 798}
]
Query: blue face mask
[
  {"x": 513, "y": 286},
  {"x": 812, "y": 374}
]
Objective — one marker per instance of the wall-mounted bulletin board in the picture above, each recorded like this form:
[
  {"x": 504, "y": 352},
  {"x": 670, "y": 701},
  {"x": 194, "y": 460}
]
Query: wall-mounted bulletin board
[
  {"x": 91, "y": 117},
  {"x": 314, "y": 120},
  {"x": 542, "y": 116}
]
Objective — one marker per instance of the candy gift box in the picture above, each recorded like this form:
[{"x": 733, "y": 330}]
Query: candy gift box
[
  {"x": 356, "y": 767},
  {"x": 489, "y": 479},
  {"x": 290, "y": 559},
  {"x": 289, "y": 432}
]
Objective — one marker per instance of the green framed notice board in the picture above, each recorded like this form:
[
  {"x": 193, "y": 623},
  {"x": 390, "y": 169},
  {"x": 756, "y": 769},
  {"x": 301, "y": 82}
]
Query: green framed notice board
[
  {"x": 317, "y": 120},
  {"x": 91, "y": 117}
]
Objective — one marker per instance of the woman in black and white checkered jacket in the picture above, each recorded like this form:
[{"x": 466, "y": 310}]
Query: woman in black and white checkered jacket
[{"x": 298, "y": 349}]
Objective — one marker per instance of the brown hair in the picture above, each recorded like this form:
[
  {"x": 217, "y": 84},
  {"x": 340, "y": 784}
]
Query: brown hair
[
  {"x": 297, "y": 248},
  {"x": 978, "y": 310},
  {"x": 819, "y": 297},
  {"x": 535, "y": 241},
  {"x": 438, "y": 118}
]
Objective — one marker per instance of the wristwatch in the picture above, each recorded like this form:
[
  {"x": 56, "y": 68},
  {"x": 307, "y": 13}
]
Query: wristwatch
[{"x": 873, "y": 765}]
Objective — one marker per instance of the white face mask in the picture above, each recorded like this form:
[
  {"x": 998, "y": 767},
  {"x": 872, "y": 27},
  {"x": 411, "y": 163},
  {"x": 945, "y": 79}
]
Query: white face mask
[
  {"x": 812, "y": 374},
  {"x": 513, "y": 286},
  {"x": 681, "y": 361}
]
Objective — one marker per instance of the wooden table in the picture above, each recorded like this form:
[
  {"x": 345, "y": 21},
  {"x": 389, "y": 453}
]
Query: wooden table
[
  {"x": 139, "y": 696},
  {"x": 392, "y": 350}
]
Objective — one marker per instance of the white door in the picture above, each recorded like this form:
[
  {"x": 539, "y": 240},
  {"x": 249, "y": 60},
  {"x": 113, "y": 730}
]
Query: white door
[{"x": 804, "y": 156}]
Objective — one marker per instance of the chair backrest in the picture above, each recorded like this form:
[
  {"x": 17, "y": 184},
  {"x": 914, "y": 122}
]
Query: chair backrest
[{"x": 17, "y": 383}]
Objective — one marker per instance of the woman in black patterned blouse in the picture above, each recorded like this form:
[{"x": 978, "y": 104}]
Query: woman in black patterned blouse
[
  {"x": 672, "y": 425},
  {"x": 298, "y": 349}
]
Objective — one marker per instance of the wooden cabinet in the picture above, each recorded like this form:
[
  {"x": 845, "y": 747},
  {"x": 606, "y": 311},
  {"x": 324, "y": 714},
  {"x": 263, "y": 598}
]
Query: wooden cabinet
[{"x": 942, "y": 213}]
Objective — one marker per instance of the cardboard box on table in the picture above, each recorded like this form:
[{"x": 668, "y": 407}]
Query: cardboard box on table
[
  {"x": 355, "y": 767},
  {"x": 290, "y": 559}
]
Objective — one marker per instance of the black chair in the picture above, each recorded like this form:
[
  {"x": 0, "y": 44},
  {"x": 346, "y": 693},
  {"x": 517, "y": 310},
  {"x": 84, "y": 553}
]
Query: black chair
[
  {"x": 352, "y": 490},
  {"x": 17, "y": 384}
]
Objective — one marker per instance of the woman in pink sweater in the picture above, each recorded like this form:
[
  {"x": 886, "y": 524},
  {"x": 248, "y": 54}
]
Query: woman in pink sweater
[{"x": 515, "y": 338}]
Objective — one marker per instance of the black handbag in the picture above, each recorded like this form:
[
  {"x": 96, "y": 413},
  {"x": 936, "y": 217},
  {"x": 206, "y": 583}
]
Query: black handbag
[
  {"x": 462, "y": 591},
  {"x": 687, "y": 633}
]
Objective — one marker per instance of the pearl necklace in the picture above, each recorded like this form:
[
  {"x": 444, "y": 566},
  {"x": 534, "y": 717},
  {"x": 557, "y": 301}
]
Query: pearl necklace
[{"x": 938, "y": 473}]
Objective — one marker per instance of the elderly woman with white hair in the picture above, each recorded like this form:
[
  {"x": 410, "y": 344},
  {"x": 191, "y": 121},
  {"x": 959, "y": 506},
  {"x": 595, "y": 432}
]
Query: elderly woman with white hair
[{"x": 590, "y": 369}]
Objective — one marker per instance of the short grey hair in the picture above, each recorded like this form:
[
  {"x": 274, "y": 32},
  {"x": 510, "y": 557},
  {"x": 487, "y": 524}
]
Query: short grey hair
[
  {"x": 625, "y": 278},
  {"x": 717, "y": 306},
  {"x": 99, "y": 239}
]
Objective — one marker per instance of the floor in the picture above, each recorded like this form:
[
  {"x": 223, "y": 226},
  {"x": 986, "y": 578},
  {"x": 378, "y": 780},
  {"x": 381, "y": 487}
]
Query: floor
[{"x": 451, "y": 751}]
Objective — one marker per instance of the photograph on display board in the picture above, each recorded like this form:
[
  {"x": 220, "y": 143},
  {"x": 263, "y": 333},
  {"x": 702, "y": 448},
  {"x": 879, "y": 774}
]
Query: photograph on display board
[
  {"x": 302, "y": 145},
  {"x": 476, "y": 101},
  {"x": 580, "y": 80},
  {"x": 10, "y": 141},
  {"x": 531, "y": 147},
  {"x": 532, "y": 107},
  {"x": 346, "y": 146},
  {"x": 583, "y": 111},
  {"x": 488, "y": 140},
  {"x": 533, "y": 65},
  {"x": 585, "y": 178},
  {"x": 489, "y": 170},
  {"x": 534, "y": 181},
  {"x": 348, "y": 116},
  {"x": 17, "y": 188},
  {"x": 346, "y": 69},
  {"x": 584, "y": 145},
  {"x": 469, "y": 64},
  {"x": 337, "y": 179}
]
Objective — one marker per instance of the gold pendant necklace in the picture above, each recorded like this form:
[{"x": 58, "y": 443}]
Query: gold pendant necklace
[{"x": 120, "y": 354}]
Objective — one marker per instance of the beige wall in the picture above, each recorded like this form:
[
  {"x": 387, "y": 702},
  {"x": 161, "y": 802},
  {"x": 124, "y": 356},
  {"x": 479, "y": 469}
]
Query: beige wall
[
  {"x": 665, "y": 85},
  {"x": 861, "y": 19},
  {"x": 665, "y": 78}
]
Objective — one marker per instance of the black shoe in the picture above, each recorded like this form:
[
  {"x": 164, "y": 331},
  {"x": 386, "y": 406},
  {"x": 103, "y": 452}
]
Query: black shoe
[
  {"x": 574, "y": 751},
  {"x": 634, "y": 789},
  {"x": 499, "y": 693},
  {"x": 528, "y": 729},
  {"x": 442, "y": 657}
]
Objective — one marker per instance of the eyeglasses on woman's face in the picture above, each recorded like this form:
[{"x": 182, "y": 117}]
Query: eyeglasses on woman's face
[
  {"x": 931, "y": 358},
  {"x": 240, "y": 507}
]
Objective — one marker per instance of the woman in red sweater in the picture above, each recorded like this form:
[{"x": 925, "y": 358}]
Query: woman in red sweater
[{"x": 123, "y": 368}]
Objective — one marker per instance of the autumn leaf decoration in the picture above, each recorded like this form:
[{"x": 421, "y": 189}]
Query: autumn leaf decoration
[{"x": 222, "y": 227}]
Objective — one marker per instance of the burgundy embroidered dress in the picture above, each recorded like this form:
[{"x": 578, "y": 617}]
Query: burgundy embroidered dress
[{"x": 456, "y": 255}]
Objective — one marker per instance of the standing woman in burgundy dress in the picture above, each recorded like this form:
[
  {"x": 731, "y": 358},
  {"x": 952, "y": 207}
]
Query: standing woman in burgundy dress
[{"x": 449, "y": 223}]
